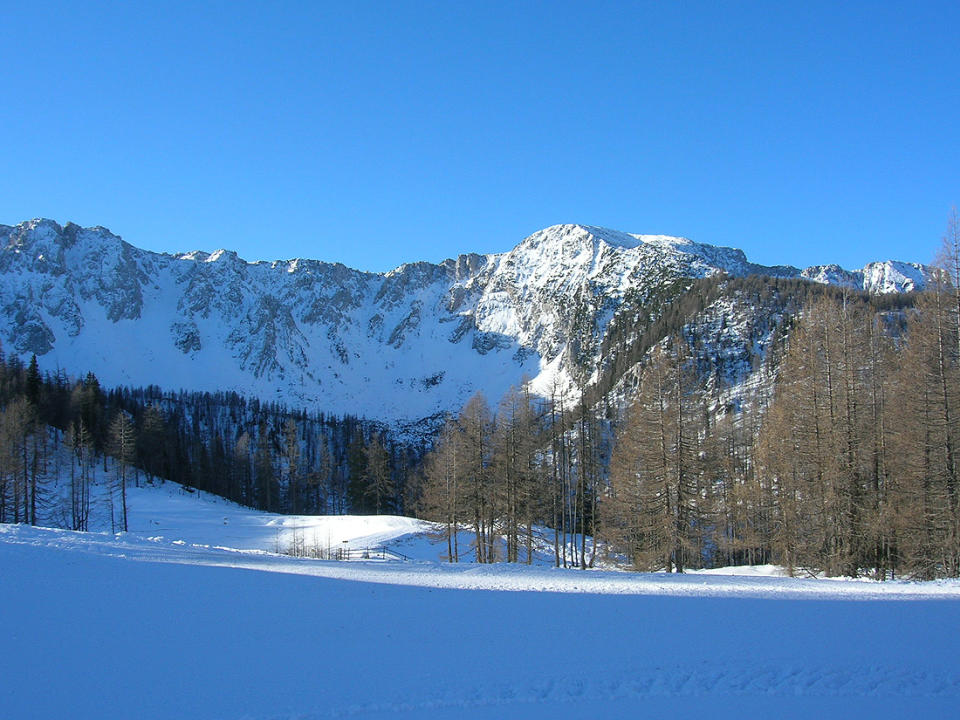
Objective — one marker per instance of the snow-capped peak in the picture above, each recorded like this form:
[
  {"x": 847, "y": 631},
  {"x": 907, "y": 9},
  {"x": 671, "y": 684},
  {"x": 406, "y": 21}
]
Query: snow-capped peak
[
  {"x": 400, "y": 346},
  {"x": 889, "y": 276}
]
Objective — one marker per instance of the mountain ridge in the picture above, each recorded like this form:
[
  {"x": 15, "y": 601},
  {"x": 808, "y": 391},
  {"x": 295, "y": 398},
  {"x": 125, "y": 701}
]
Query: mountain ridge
[{"x": 399, "y": 346}]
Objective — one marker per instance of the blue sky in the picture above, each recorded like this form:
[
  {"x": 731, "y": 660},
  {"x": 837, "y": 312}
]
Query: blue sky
[{"x": 374, "y": 133}]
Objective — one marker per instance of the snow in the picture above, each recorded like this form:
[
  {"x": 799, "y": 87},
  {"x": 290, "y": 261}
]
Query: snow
[
  {"x": 892, "y": 276},
  {"x": 327, "y": 338},
  {"x": 889, "y": 276},
  {"x": 169, "y": 513},
  {"x": 187, "y": 616}
]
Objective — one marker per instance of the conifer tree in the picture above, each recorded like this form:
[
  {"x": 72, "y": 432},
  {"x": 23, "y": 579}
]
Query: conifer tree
[
  {"x": 33, "y": 381},
  {"x": 476, "y": 423},
  {"x": 656, "y": 481},
  {"x": 929, "y": 437},
  {"x": 291, "y": 451},
  {"x": 377, "y": 473},
  {"x": 264, "y": 468},
  {"x": 123, "y": 447},
  {"x": 443, "y": 487},
  {"x": 357, "y": 495}
]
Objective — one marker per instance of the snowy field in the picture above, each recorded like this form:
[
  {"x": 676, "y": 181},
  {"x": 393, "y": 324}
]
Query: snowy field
[{"x": 188, "y": 616}]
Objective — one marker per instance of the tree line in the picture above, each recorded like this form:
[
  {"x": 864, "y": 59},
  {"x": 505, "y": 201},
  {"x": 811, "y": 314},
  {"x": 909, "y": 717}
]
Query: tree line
[{"x": 54, "y": 431}]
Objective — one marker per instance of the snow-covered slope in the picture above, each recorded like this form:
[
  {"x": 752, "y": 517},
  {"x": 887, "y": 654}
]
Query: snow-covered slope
[
  {"x": 167, "y": 514},
  {"x": 96, "y": 625},
  {"x": 875, "y": 277},
  {"x": 398, "y": 346},
  {"x": 192, "y": 614}
]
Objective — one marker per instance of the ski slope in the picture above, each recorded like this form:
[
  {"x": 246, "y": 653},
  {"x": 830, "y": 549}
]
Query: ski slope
[{"x": 186, "y": 616}]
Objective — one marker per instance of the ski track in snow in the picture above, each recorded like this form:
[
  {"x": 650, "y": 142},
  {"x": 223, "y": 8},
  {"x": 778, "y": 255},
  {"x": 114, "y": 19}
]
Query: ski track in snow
[{"x": 680, "y": 681}]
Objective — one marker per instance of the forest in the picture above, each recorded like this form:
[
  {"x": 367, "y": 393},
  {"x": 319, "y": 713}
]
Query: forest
[
  {"x": 258, "y": 454},
  {"x": 841, "y": 460}
]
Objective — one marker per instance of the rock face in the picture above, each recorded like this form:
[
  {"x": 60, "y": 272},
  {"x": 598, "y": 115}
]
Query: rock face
[
  {"x": 397, "y": 346},
  {"x": 875, "y": 277}
]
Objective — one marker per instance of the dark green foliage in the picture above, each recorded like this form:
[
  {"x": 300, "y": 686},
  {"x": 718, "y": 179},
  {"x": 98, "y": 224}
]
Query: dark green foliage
[
  {"x": 216, "y": 442},
  {"x": 33, "y": 381}
]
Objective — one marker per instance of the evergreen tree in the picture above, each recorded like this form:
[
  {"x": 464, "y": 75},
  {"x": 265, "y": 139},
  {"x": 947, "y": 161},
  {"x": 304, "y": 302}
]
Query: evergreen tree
[
  {"x": 377, "y": 474},
  {"x": 33, "y": 381},
  {"x": 357, "y": 495},
  {"x": 291, "y": 445}
]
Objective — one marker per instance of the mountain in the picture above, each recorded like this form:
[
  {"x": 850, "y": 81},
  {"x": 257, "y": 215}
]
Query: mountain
[{"x": 397, "y": 346}]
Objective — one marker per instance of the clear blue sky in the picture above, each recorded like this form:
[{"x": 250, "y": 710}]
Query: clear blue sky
[{"x": 374, "y": 133}]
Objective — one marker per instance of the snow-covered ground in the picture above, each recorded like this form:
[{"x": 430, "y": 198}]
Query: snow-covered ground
[
  {"x": 168, "y": 512},
  {"x": 187, "y": 616}
]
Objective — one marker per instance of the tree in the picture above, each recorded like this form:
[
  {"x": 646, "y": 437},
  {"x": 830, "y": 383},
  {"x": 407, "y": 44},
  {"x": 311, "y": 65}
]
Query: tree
[
  {"x": 656, "y": 499},
  {"x": 152, "y": 445},
  {"x": 476, "y": 423},
  {"x": 33, "y": 381},
  {"x": 377, "y": 473},
  {"x": 357, "y": 473},
  {"x": 291, "y": 451},
  {"x": 320, "y": 480},
  {"x": 17, "y": 427},
  {"x": 947, "y": 262},
  {"x": 928, "y": 437},
  {"x": 443, "y": 497},
  {"x": 824, "y": 439},
  {"x": 78, "y": 439},
  {"x": 264, "y": 469},
  {"x": 510, "y": 466},
  {"x": 241, "y": 469},
  {"x": 89, "y": 402},
  {"x": 744, "y": 496},
  {"x": 123, "y": 448}
]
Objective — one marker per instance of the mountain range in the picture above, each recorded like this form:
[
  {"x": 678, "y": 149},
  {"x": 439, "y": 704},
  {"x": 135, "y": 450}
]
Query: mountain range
[{"x": 399, "y": 346}]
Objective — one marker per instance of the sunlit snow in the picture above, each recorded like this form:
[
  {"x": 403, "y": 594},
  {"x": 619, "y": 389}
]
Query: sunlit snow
[{"x": 187, "y": 616}]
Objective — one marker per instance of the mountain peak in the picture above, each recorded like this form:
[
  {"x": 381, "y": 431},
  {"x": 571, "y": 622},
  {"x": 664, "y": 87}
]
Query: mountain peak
[
  {"x": 614, "y": 238},
  {"x": 398, "y": 346}
]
